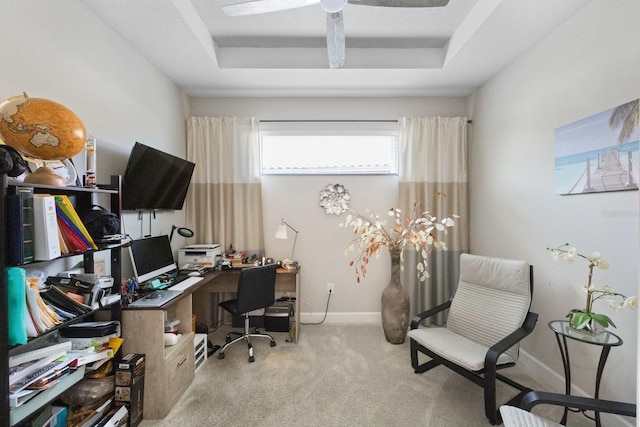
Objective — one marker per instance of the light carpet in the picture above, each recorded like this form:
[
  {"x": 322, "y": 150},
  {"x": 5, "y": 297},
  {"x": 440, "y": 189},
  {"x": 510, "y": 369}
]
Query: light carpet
[{"x": 337, "y": 375}]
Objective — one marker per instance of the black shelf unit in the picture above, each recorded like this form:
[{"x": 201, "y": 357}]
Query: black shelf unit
[{"x": 82, "y": 197}]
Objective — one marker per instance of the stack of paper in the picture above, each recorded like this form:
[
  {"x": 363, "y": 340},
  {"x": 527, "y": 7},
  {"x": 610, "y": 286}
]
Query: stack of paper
[{"x": 37, "y": 370}]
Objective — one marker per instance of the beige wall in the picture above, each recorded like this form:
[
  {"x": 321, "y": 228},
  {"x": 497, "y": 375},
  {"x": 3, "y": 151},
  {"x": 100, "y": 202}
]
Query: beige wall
[
  {"x": 590, "y": 64},
  {"x": 321, "y": 242},
  {"x": 62, "y": 51}
]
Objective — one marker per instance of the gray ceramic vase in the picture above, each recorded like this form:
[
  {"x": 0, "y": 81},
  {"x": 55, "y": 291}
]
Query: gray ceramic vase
[{"x": 395, "y": 304}]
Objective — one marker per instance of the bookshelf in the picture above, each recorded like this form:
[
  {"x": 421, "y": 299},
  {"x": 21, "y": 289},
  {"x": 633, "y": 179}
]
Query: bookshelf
[{"x": 82, "y": 197}]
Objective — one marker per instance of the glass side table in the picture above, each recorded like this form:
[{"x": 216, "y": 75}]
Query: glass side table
[{"x": 605, "y": 339}]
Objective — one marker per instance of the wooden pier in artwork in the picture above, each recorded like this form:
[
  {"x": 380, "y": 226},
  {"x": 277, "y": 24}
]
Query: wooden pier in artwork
[{"x": 609, "y": 173}]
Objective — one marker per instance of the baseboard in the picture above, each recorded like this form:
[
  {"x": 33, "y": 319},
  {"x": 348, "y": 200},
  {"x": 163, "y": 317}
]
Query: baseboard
[
  {"x": 550, "y": 379},
  {"x": 333, "y": 317}
]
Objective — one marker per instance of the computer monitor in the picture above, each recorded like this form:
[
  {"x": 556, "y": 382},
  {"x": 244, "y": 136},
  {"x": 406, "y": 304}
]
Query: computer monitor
[{"x": 151, "y": 257}]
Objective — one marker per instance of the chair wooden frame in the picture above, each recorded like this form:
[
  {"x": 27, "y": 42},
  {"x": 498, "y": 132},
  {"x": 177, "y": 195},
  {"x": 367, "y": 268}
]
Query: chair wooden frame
[{"x": 486, "y": 378}]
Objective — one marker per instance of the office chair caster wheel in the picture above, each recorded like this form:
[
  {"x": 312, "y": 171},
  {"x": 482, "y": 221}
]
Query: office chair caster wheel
[
  {"x": 228, "y": 339},
  {"x": 252, "y": 359},
  {"x": 220, "y": 355},
  {"x": 272, "y": 343}
]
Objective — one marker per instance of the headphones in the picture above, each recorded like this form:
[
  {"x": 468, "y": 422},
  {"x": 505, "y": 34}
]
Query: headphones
[{"x": 11, "y": 162}]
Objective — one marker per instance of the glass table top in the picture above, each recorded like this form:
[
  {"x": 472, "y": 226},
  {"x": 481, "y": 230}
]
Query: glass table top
[{"x": 605, "y": 338}]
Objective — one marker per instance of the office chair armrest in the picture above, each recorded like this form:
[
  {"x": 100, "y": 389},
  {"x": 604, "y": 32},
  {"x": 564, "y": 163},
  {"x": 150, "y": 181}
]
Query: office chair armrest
[
  {"x": 510, "y": 340},
  {"x": 587, "y": 403},
  {"x": 415, "y": 322}
]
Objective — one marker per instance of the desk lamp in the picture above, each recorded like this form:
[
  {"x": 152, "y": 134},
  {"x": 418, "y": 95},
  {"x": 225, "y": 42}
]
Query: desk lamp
[
  {"x": 281, "y": 233},
  {"x": 183, "y": 231}
]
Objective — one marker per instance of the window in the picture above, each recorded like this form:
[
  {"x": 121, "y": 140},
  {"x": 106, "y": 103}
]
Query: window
[{"x": 330, "y": 149}]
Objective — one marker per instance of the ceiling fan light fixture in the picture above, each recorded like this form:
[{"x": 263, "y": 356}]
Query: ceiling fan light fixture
[{"x": 333, "y": 6}]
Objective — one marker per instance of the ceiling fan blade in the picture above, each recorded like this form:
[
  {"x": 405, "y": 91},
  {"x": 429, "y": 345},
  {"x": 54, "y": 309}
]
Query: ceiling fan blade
[
  {"x": 335, "y": 39},
  {"x": 256, "y": 7},
  {"x": 401, "y": 3}
]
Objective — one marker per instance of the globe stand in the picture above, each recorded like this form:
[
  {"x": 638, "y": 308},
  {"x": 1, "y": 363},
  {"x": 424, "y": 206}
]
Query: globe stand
[{"x": 45, "y": 175}]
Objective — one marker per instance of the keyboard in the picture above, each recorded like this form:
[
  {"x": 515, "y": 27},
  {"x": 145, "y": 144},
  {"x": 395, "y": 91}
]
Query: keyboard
[
  {"x": 156, "y": 298},
  {"x": 186, "y": 283}
]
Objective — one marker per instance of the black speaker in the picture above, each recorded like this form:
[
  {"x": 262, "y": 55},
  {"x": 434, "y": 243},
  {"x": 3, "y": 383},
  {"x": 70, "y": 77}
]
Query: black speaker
[{"x": 11, "y": 162}]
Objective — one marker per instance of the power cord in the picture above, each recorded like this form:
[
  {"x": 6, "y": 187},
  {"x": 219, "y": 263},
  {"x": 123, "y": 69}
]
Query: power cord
[{"x": 326, "y": 310}]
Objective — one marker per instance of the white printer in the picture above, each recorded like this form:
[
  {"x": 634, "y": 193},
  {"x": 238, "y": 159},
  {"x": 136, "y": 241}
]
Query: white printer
[{"x": 208, "y": 254}]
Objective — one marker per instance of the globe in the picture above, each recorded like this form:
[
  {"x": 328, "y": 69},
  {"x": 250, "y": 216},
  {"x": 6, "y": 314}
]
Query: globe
[{"x": 41, "y": 129}]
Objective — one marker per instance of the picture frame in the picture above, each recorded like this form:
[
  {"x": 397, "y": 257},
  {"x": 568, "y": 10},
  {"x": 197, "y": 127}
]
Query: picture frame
[{"x": 598, "y": 153}]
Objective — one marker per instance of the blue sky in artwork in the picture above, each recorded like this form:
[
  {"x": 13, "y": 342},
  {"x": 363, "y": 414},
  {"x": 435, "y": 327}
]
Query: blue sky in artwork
[{"x": 588, "y": 134}]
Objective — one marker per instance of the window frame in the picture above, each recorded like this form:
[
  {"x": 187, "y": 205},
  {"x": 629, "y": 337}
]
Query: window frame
[{"x": 314, "y": 129}]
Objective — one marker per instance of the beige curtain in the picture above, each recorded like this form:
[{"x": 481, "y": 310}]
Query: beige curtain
[
  {"x": 224, "y": 202},
  {"x": 433, "y": 172}
]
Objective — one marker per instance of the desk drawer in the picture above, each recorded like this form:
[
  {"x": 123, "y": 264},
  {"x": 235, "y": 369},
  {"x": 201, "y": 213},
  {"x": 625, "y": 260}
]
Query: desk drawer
[{"x": 179, "y": 369}]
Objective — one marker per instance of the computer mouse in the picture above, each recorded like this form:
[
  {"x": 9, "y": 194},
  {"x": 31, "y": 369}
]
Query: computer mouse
[
  {"x": 154, "y": 295},
  {"x": 194, "y": 274}
]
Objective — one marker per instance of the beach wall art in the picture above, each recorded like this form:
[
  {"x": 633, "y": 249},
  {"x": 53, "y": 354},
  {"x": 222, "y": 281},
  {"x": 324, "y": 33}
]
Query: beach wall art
[{"x": 599, "y": 153}]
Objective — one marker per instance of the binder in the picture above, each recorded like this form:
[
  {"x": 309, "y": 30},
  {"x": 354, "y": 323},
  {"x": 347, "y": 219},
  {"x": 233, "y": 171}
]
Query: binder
[
  {"x": 57, "y": 298},
  {"x": 20, "y": 226},
  {"x": 64, "y": 250},
  {"x": 69, "y": 212},
  {"x": 72, "y": 236},
  {"x": 45, "y": 225}
]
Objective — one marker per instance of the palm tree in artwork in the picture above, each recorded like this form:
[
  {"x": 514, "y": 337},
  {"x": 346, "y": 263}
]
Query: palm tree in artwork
[{"x": 626, "y": 117}]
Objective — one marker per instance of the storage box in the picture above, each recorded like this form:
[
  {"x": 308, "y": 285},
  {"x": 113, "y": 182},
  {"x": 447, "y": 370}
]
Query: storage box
[
  {"x": 130, "y": 386},
  {"x": 278, "y": 317}
]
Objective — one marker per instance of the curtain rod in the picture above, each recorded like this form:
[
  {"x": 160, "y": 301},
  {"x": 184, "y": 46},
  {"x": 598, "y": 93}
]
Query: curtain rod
[
  {"x": 336, "y": 121},
  {"x": 328, "y": 121}
]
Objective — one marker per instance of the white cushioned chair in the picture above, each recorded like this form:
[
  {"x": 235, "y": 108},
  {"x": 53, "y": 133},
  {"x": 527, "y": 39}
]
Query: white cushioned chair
[
  {"x": 517, "y": 417},
  {"x": 488, "y": 317}
]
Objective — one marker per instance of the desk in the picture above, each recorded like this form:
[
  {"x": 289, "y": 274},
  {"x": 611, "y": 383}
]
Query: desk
[
  {"x": 227, "y": 281},
  {"x": 605, "y": 339}
]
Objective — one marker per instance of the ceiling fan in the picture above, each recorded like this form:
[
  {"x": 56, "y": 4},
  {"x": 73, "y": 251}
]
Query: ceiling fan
[{"x": 335, "y": 23}]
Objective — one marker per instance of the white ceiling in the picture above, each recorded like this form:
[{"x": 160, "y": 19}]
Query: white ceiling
[{"x": 447, "y": 51}]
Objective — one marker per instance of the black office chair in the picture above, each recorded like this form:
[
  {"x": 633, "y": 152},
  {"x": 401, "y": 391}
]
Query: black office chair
[{"x": 256, "y": 289}]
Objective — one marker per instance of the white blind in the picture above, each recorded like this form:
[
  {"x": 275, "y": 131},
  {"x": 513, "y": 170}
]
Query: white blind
[{"x": 329, "y": 152}]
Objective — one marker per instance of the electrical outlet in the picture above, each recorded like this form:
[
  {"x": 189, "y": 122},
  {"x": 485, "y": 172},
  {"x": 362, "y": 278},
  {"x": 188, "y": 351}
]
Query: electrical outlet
[{"x": 330, "y": 290}]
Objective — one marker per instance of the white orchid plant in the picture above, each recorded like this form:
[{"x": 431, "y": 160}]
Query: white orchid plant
[
  {"x": 417, "y": 231},
  {"x": 581, "y": 318}
]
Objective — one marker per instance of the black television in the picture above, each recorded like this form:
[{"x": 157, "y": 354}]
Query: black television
[{"x": 155, "y": 180}]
